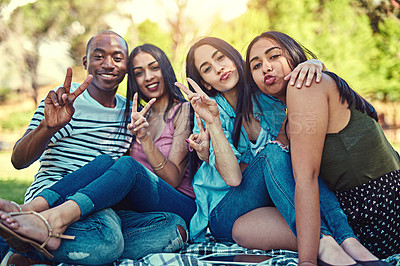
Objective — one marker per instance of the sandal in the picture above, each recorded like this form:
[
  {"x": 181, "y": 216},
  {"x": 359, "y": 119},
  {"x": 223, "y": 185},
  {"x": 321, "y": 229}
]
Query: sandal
[
  {"x": 23, "y": 244},
  {"x": 16, "y": 204}
]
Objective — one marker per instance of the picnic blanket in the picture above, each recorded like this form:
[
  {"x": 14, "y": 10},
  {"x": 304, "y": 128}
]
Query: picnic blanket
[{"x": 190, "y": 253}]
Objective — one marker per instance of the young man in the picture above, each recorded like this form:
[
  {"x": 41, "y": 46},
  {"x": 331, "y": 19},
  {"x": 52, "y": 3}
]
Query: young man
[{"x": 73, "y": 125}]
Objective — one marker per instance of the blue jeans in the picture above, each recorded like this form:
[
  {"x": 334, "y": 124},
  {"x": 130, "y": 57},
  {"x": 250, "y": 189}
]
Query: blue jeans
[
  {"x": 3, "y": 248},
  {"x": 104, "y": 182},
  {"x": 99, "y": 239},
  {"x": 269, "y": 181}
]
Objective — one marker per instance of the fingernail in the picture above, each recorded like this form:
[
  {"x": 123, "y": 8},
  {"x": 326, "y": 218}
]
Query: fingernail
[
  {"x": 187, "y": 140},
  {"x": 308, "y": 84},
  {"x": 292, "y": 83},
  {"x": 190, "y": 148},
  {"x": 298, "y": 86}
]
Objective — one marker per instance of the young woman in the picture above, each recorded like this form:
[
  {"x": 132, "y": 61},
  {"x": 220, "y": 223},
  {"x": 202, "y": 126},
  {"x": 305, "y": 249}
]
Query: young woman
[
  {"x": 160, "y": 128},
  {"x": 224, "y": 191},
  {"x": 333, "y": 133}
]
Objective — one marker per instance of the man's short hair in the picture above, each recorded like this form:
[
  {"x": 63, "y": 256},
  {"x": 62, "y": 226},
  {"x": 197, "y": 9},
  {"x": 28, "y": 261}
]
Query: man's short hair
[{"x": 106, "y": 32}]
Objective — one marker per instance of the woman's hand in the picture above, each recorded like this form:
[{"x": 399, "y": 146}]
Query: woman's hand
[
  {"x": 205, "y": 107},
  {"x": 200, "y": 142},
  {"x": 139, "y": 124},
  {"x": 309, "y": 68}
]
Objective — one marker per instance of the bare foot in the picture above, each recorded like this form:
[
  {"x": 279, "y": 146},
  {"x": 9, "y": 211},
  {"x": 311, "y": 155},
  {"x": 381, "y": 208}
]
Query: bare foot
[
  {"x": 330, "y": 252},
  {"x": 32, "y": 227},
  {"x": 356, "y": 250},
  {"x": 8, "y": 206}
]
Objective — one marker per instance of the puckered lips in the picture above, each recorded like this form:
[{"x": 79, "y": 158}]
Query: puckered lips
[
  {"x": 225, "y": 75},
  {"x": 153, "y": 86},
  {"x": 269, "y": 79}
]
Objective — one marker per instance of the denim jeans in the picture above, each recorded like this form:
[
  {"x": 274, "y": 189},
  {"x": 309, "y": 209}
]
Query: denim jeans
[
  {"x": 106, "y": 236},
  {"x": 3, "y": 248},
  {"x": 104, "y": 182},
  {"x": 269, "y": 181}
]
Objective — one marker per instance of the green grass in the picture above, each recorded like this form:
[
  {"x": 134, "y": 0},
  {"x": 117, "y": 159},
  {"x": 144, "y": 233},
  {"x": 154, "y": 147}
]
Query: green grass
[
  {"x": 13, "y": 189},
  {"x": 13, "y": 183}
]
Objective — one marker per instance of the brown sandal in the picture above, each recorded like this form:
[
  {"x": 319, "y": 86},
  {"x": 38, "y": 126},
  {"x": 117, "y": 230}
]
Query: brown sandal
[
  {"x": 16, "y": 204},
  {"x": 23, "y": 244}
]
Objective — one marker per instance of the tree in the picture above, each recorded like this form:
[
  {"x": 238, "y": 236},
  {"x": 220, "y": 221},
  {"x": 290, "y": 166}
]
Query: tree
[
  {"x": 36, "y": 22},
  {"x": 359, "y": 40}
]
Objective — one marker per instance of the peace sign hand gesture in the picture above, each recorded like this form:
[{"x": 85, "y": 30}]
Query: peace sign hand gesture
[
  {"x": 205, "y": 107},
  {"x": 200, "y": 142},
  {"x": 139, "y": 124},
  {"x": 58, "y": 105}
]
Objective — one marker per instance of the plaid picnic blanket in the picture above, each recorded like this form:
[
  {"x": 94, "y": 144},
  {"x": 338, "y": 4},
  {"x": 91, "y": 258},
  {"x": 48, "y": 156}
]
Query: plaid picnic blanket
[{"x": 189, "y": 255}]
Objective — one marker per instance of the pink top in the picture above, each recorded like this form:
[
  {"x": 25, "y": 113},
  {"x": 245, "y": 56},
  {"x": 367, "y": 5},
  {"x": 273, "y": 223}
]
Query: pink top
[{"x": 164, "y": 144}]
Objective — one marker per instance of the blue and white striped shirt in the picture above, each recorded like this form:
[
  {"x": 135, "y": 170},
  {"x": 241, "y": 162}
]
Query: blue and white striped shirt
[{"x": 92, "y": 131}]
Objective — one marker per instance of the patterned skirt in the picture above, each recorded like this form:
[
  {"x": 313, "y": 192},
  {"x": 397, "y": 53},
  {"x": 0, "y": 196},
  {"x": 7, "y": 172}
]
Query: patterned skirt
[{"x": 373, "y": 212}]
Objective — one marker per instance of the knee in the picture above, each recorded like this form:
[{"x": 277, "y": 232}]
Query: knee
[
  {"x": 104, "y": 160},
  {"x": 179, "y": 225},
  {"x": 127, "y": 162},
  {"x": 182, "y": 233},
  {"x": 239, "y": 232}
]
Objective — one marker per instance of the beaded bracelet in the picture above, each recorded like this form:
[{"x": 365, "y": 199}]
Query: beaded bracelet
[{"x": 161, "y": 165}]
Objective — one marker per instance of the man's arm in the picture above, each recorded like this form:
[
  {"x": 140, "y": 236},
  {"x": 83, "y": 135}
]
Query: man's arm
[
  {"x": 31, "y": 146},
  {"x": 58, "y": 111}
]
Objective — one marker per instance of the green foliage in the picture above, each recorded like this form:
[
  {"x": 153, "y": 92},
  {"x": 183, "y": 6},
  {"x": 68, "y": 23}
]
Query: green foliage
[
  {"x": 150, "y": 32},
  {"x": 15, "y": 120},
  {"x": 242, "y": 30},
  {"x": 4, "y": 94},
  {"x": 339, "y": 32}
]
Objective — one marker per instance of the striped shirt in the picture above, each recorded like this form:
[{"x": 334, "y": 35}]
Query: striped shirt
[{"x": 92, "y": 131}]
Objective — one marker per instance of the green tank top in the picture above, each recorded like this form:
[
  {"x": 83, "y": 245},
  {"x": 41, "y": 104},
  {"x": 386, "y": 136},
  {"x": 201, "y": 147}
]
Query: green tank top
[{"x": 357, "y": 154}]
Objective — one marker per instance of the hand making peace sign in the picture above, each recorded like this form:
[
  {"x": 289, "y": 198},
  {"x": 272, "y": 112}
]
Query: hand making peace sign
[
  {"x": 200, "y": 142},
  {"x": 139, "y": 124},
  {"x": 205, "y": 107},
  {"x": 59, "y": 107}
]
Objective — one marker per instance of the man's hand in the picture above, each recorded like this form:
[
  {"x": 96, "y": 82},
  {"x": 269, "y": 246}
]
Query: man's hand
[{"x": 58, "y": 108}]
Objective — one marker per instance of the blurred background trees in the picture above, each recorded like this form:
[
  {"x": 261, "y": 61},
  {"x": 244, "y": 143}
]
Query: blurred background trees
[{"x": 358, "y": 39}]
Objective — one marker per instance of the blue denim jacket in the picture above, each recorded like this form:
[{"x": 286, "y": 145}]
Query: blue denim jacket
[{"x": 208, "y": 184}]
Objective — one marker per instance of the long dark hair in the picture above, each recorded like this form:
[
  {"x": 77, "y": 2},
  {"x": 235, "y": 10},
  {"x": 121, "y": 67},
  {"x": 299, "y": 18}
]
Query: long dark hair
[
  {"x": 173, "y": 92},
  {"x": 236, "y": 57},
  {"x": 295, "y": 54}
]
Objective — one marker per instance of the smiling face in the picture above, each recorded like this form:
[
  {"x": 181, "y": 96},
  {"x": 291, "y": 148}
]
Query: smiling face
[
  {"x": 216, "y": 69},
  {"x": 268, "y": 66},
  {"x": 106, "y": 60},
  {"x": 148, "y": 75}
]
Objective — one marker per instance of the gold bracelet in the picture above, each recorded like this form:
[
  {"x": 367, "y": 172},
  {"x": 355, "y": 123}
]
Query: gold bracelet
[{"x": 161, "y": 165}]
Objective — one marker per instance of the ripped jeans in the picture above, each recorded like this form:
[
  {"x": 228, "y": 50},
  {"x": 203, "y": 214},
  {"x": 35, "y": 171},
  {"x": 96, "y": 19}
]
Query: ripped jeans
[
  {"x": 103, "y": 235},
  {"x": 268, "y": 181},
  {"x": 107, "y": 236}
]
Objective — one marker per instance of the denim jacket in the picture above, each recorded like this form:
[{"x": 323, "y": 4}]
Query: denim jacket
[{"x": 208, "y": 184}]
